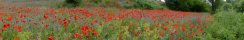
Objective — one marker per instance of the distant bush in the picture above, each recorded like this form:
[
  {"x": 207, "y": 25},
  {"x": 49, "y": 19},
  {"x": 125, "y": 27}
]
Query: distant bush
[
  {"x": 144, "y": 4},
  {"x": 189, "y": 5},
  {"x": 130, "y": 4}
]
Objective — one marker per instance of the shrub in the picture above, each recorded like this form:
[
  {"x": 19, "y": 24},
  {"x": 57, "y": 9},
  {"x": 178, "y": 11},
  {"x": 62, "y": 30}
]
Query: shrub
[
  {"x": 227, "y": 25},
  {"x": 240, "y": 7},
  {"x": 143, "y": 4},
  {"x": 189, "y": 5},
  {"x": 72, "y": 3},
  {"x": 130, "y": 4}
]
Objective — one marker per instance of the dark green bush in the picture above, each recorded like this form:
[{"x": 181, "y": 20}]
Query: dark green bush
[
  {"x": 144, "y": 4},
  {"x": 188, "y": 5},
  {"x": 72, "y": 3},
  {"x": 240, "y": 7}
]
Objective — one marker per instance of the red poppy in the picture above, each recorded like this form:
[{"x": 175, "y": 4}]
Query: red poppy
[
  {"x": 198, "y": 26},
  {"x": 9, "y": 18},
  {"x": 19, "y": 28},
  {"x": 6, "y": 25},
  {"x": 183, "y": 29},
  {"x": 76, "y": 17},
  {"x": 200, "y": 30},
  {"x": 76, "y": 35},
  {"x": 50, "y": 38},
  {"x": 161, "y": 34},
  {"x": 85, "y": 30},
  {"x": 45, "y": 16},
  {"x": 191, "y": 25},
  {"x": 3, "y": 29},
  {"x": 156, "y": 25},
  {"x": 0, "y": 18},
  {"x": 21, "y": 16},
  {"x": 23, "y": 21},
  {"x": 16, "y": 38},
  {"x": 180, "y": 38},
  {"x": 46, "y": 25},
  {"x": 165, "y": 27},
  {"x": 95, "y": 33}
]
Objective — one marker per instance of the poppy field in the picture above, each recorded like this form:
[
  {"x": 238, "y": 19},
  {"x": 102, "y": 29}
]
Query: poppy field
[{"x": 98, "y": 23}]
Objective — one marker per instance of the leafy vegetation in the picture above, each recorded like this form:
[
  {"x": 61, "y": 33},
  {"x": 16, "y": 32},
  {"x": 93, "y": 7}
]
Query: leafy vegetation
[
  {"x": 227, "y": 25},
  {"x": 129, "y": 4},
  {"x": 189, "y": 5}
]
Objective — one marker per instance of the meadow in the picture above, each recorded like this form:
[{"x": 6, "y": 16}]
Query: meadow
[{"x": 106, "y": 20}]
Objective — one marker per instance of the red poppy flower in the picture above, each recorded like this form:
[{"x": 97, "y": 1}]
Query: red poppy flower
[
  {"x": 95, "y": 33},
  {"x": 85, "y": 30},
  {"x": 165, "y": 27},
  {"x": 76, "y": 35},
  {"x": 3, "y": 29},
  {"x": 198, "y": 26},
  {"x": 180, "y": 38},
  {"x": 46, "y": 25},
  {"x": 183, "y": 29},
  {"x": 19, "y": 28},
  {"x": 50, "y": 38},
  {"x": 23, "y": 21},
  {"x": 9, "y": 18},
  {"x": 200, "y": 30},
  {"x": 76, "y": 17},
  {"x": 16, "y": 38},
  {"x": 45, "y": 16},
  {"x": 161, "y": 34}
]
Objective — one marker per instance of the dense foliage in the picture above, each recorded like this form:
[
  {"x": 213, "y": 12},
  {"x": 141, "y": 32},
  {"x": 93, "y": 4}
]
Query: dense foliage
[
  {"x": 189, "y": 5},
  {"x": 130, "y": 4},
  {"x": 240, "y": 6},
  {"x": 227, "y": 25}
]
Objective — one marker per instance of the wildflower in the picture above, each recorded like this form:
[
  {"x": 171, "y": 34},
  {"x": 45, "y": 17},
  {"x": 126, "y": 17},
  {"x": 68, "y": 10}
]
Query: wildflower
[
  {"x": 16, "y": 38},
  {"x": 76, "y": 35},
  {"x": 165, "y": 27},
  {"x": 75, "y": 17},
  {"x": 183, "y": 29},
  {"x": 50, "y": 38},
  {"x": 180, "y": 38},
  {"x": 3, "y": 29},
  {"x": 198, "y": 26},
  {"x": 5, "y": 26},
  {"x": 200, "y": 30},
  {"x": 19, "y": 28},
  {"x": 156, "y": 25},
  {"x": 9, "y": 18},
  {"x": 161, "y": 34},
  {"x": 46, "y": 25},
  {"x": 85, "y": 30},
  {"x": 45, "y": 16},
  {"x": 176, "y": 25},
  {"x": 191, "y": 25},
  {"x": 100, "y": 24},
  {"x": 21, "y": 16},
  {"x": 23, "y": 21},
  {"x": 0, "y": 18},
  {"x": 95, "y": 33}
]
